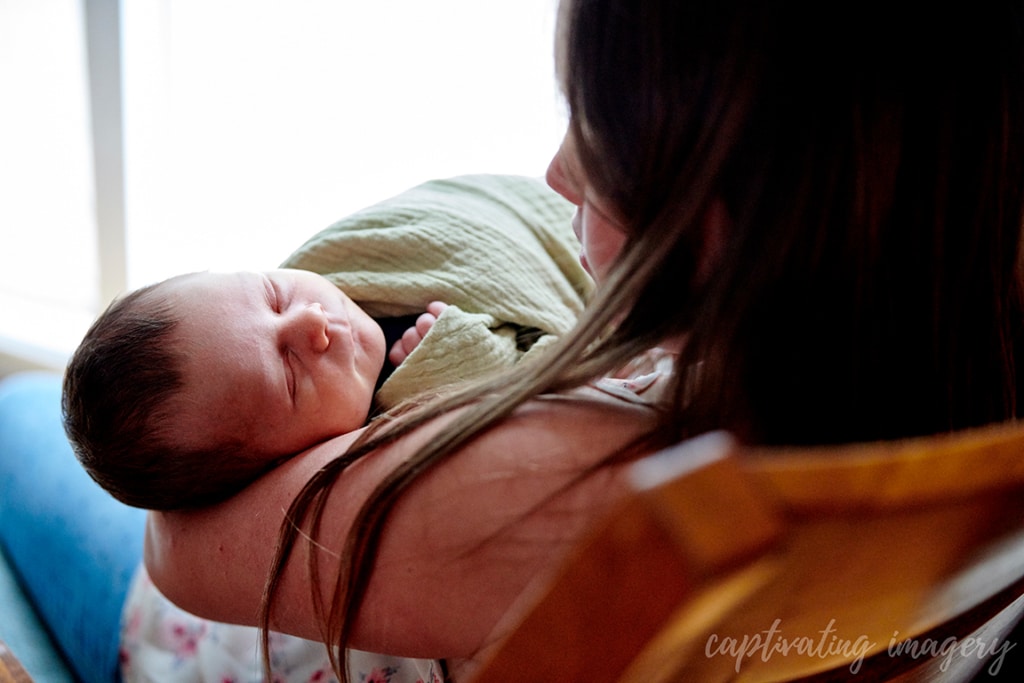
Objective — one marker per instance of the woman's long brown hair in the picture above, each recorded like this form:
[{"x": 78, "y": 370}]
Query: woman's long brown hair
[{"x": 868, "y": 281}]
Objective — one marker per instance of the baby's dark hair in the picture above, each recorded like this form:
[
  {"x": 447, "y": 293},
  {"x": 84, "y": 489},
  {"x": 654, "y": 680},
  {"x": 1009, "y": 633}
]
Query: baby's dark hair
[{"x": 118, "y": 412}]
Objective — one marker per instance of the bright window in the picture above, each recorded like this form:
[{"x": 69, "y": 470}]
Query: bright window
[
  {"x": 48, "y": 280},
  {"x": 250, "y": 126}
]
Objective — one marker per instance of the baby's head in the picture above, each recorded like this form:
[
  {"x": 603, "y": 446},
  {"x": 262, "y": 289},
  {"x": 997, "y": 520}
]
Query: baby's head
[{"x": 184, "y": 391}]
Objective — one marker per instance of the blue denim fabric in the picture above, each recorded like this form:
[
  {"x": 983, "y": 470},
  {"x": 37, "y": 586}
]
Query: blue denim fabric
[{"x": 72, "y": 545}]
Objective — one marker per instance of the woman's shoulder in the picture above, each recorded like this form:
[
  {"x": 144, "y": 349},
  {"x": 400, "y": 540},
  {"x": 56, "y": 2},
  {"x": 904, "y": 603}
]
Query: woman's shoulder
[
  {"x": 458, "y": 548},
  {"x": 481, "y": 527}
]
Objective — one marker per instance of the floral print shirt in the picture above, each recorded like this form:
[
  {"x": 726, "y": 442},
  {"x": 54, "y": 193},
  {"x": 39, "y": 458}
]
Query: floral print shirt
[
  {"x": 643, "y": 380},
  {"x": 161, "y": 643}
]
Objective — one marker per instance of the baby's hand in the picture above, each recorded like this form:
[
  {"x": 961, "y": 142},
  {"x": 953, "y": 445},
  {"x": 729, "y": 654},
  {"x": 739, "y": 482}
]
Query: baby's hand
[{"x": 414, "y": 335}]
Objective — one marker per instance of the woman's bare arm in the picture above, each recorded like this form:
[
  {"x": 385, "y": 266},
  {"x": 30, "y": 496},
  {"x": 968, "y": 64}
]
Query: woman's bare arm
[{"x": 458, "y": 550}]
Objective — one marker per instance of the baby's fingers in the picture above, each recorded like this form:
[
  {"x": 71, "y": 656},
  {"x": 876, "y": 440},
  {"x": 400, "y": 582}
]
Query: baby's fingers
[
  {"x": 412, "y": 337},
  {"x": 436, "y": 308},
  {"x": 397, "y": 354},
  {"x": 423, "y": 325},
  {"x": 404, "y": 346}
]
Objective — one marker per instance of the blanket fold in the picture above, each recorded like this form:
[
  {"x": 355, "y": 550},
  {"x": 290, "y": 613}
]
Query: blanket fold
[{"x": 498, "y": 249}]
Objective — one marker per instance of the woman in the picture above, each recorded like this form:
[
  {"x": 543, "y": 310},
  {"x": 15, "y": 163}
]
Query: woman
[{"x": 817, "y": 212}]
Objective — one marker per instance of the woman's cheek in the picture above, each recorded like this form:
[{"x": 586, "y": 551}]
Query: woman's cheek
[{"x": 602, "y": 242}]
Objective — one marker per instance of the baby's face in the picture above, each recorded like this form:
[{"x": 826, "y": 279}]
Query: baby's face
[{"x": 282, "y": 359}]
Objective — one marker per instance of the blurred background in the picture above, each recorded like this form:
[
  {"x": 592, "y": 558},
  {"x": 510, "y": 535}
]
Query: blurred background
[{"x": 144, "y": 138}]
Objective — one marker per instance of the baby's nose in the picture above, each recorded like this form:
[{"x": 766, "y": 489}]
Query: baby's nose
[{"x": 311, "y": 327}]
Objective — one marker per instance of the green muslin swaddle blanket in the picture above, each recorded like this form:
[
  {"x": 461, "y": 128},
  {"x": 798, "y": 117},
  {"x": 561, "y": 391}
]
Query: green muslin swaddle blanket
[{"x": 498, "y": 249}]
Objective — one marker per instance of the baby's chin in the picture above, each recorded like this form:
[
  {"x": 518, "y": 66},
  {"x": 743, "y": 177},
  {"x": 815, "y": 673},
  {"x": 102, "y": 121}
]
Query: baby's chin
[{"x": 350, "y": 420}]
